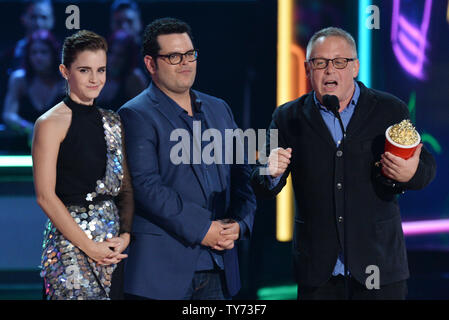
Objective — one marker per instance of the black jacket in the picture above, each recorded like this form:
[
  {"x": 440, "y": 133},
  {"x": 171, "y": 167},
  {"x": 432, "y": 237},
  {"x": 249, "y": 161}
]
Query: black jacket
[{"x": 331, "y": 183}]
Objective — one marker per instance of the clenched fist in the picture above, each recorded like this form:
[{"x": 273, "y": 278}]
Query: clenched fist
[{"x": 278, "y": 161}]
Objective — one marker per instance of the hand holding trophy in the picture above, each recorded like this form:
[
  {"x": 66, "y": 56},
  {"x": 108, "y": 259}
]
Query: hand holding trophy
[{"x": 402, "y": 151}]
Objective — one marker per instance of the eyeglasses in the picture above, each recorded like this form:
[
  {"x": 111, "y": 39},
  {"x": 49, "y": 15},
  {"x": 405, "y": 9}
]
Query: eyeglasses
[
  {"x": 176, "y": 57},
  {"x": 338, "y": 63}
]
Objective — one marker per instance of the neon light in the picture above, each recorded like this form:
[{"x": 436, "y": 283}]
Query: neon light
[
  {"x": 412, "y": 107},
  {"x": 410, "y": 28},
  {"x": 447, "y": 12},
  {"x": 299, "y": 79},
  {"x": 284, "y": 200},
  {"x": 411, "y": 47},
  {"x": 426, "y": 137},
  {"x": 409, "y": 41},
  {"x": 414, "y": 228},
  {"x": 16, "y": 161},
  {"x": 364, "y": 40},
  {"x": 285, "y": 37},
  {"x": 287, "y": 292}
]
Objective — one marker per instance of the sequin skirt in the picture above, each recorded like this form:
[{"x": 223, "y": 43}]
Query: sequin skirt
[{"x": 69, "y": 274}]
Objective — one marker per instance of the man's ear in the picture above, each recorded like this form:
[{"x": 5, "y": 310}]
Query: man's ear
[
  {"x": 307, "y": 68},
  {"x": 150, "y": 63},
  {"x": 356, "y": 68}
]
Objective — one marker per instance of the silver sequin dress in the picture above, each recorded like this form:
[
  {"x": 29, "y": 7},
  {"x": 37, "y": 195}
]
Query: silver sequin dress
[{"x": 67, "y": 271}]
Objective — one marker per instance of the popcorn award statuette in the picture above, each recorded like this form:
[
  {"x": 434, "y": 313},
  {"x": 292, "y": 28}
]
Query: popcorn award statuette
[{"x": 402, "y": 139}]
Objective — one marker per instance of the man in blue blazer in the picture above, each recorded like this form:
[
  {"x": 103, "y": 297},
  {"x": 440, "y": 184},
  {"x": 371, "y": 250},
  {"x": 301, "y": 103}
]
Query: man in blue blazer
[{"x": 189, "y": 214}]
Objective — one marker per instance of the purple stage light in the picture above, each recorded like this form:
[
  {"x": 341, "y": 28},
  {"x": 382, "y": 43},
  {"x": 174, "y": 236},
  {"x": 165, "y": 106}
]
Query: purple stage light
[
  {"x": 409, "y": 41},
  {"x": 413, "y": 228}
]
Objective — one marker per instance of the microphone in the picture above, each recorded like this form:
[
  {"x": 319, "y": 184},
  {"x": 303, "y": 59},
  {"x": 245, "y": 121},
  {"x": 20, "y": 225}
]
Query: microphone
[{"x": 333, "y": 105}]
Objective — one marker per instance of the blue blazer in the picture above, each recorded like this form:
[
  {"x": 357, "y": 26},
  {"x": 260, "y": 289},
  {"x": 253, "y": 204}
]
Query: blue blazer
[{"x": 171, "y": 212}]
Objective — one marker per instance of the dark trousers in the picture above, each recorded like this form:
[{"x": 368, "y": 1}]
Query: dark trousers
[
  {"x": 208, "y": 285},
  {"x": 334, "y": 289},
  {"x": 205, "y": 285}
]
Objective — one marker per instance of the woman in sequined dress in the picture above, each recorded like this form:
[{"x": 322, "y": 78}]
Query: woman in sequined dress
[{"x": 81, "y": 179}]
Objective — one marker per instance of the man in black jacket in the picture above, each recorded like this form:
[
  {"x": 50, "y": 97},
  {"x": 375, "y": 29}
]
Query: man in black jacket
[{"x": 348, "y": 221}]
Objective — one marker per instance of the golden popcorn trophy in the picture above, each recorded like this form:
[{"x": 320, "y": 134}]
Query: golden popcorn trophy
[{"x": 402, "y": 139}]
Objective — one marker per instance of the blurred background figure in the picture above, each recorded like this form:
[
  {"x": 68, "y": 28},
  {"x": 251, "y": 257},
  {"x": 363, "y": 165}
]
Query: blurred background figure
[
  {"x": 36, "y": 87},
  {"x": 125, "y": 78},
  {"x": 125, "y": 15},
  {"x": 38, "y": 15}
]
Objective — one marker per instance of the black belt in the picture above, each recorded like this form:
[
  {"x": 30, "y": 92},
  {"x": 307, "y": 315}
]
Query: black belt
[{"x": 80, "y": 200}]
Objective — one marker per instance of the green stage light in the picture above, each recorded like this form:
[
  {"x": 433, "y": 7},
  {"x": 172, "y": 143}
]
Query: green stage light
[
  {"x": 16, "y": 161},
  {"x": 287, "y": 292}
]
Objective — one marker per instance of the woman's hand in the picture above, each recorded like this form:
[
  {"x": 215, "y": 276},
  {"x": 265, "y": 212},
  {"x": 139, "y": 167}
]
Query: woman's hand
[
  {"x": 120, "y": 244},
  {"x": 98, "y": 251}
]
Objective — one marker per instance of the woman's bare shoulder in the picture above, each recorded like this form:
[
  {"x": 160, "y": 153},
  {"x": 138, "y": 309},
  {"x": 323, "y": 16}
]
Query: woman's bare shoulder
[{"x": 56, "y": 120}]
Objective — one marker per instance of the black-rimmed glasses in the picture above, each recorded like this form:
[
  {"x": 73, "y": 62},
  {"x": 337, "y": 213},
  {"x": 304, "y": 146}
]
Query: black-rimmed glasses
[
  {"x": 338, "y": 63},
  {"x": 176, "y": 57}
]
